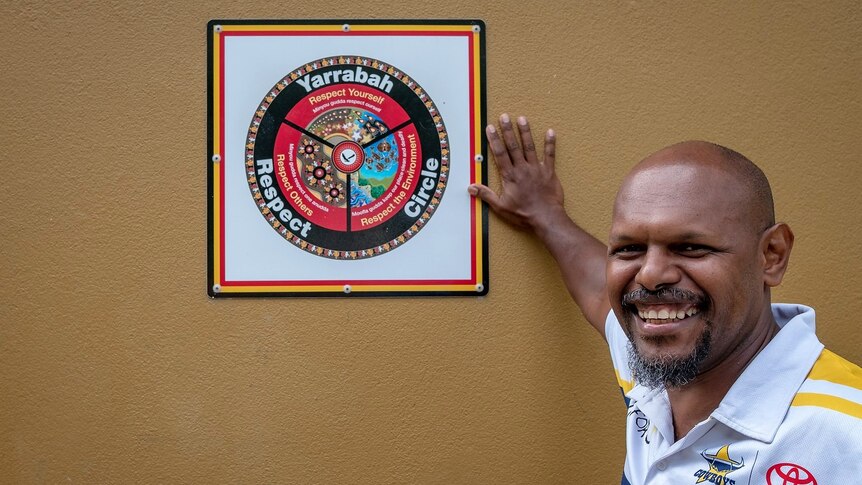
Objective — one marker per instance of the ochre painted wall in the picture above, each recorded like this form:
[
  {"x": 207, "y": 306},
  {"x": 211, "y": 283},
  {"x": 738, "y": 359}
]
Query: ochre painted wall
[{"x": 116, "y": 368}]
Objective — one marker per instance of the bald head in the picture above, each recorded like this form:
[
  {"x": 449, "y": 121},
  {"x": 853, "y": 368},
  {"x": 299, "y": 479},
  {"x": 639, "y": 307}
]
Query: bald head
[{"x": 741, "y": 184}]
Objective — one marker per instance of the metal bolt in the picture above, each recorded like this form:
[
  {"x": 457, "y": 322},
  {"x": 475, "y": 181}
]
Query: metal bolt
[
  {"x": 479, "y": 158},
  {"x": 347, "y": 289},
  {"x": 477, "y": 29},
  {"x": 216, "y": 288},
  {"x": 216, "y": 158},
  {"x": 480, "y": 288},
  {"x": 345, "y": 27},
  {"x": 217, "y": 28}
]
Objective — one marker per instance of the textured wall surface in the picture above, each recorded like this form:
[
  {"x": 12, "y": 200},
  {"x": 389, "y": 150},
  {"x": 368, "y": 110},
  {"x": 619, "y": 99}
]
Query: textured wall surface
[{"x": 116, "y": 368}]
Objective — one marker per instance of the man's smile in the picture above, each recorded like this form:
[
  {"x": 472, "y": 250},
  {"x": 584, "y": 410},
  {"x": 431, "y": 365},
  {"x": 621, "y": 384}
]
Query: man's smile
[
  {"x": 665, "y": 313},
  {"x": 664, "y": 319}
]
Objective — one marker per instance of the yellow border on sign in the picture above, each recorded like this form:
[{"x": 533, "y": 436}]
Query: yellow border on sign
[
  {"x": 217, "y": 149},
  {"x": 354, "y": 288},
  {"x": 477, "y": 143}
]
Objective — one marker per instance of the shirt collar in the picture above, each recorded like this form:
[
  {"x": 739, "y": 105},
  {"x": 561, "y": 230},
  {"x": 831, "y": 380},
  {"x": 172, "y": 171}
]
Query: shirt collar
[{"x": 758, "y": 401}]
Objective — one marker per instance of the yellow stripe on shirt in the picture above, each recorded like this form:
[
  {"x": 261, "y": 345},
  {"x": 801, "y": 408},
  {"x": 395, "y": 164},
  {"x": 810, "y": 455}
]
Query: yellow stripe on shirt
[
  {"x": 830, "y": 367},
  {"x": 829, "y": 402},
  {"x": 625, "y": 385}
]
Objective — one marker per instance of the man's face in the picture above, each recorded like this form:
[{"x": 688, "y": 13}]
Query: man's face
[{"x": 682, "y": 269}]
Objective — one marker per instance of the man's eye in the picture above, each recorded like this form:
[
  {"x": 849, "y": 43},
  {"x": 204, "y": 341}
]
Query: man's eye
[
  {"x": 629, "y": 250},
  {"x": 694, "y": 250}
]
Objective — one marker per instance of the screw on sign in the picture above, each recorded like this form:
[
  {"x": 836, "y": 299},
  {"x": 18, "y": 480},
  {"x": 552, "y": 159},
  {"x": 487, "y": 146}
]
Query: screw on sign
[{"x": 789, "y": 474}]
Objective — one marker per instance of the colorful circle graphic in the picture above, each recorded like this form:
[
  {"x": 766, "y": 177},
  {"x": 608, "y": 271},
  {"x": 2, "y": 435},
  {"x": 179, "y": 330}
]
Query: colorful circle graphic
[{"x": 347, "y": 157}]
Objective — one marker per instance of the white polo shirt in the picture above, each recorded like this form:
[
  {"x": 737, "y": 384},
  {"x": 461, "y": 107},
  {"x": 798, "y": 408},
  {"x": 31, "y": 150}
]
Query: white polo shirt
[{"x": 794, "y": 417}]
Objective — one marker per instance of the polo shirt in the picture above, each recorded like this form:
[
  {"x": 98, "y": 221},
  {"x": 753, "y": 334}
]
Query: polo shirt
[{"x": 793, "y": 417}]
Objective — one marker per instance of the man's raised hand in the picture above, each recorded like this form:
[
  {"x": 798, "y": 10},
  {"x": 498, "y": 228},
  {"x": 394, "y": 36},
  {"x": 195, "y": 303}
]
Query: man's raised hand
[
  {"x": 532, "y": 197},
  {"x": 531, "y": 193}
]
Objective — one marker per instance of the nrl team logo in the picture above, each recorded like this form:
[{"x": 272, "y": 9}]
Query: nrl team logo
[
  {"x": 347, "y": 157},
  {"x": 720, "y": 464}
]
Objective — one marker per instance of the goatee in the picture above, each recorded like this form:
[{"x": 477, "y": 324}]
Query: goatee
[
  {"x": 664, "y": 370},
  {"x": 668, "y": 371}
]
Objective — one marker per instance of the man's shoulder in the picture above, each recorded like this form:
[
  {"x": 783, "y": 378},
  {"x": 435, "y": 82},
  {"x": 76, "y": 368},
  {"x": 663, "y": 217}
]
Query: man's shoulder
[
  {"x": 822, "y": 427},
  {"x": 827, "y": 408},
  {"x": 833, "y": 386}
]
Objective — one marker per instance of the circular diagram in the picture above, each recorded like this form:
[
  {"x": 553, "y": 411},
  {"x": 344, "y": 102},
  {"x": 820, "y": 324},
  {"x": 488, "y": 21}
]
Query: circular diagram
[{"x": 347, "y": 157}]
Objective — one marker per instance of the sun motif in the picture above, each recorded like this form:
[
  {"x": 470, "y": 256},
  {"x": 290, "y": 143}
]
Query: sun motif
[
  {"x": 334, "y": 192},
  {"x": 318, "y": 173},
  {"x": 309, "y": 149}
]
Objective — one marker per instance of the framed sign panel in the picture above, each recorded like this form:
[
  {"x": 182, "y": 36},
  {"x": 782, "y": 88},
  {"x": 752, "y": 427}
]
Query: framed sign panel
[{"x": 339, "y": 155}]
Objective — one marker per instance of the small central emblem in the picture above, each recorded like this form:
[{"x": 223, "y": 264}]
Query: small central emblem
[{"x": 348, "y": 156}]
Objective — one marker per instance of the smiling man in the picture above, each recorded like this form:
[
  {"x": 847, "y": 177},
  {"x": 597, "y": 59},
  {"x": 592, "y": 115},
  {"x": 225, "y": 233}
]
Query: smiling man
[{"x": 721, "y": 385}]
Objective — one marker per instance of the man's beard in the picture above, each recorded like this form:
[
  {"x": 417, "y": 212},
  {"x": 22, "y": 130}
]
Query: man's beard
[
  {"x": 665, "y": 370},
  {"x": 668, "y": 371}
]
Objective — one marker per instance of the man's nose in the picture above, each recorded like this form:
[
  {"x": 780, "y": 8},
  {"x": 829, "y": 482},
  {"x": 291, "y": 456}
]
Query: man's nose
[{"x": 658, "y": 270}]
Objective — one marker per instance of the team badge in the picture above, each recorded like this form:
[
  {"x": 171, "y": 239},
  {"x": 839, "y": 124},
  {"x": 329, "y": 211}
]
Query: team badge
[
  {"x": 789, "y": 474},
  {"x": 347, "y": 157},
  {"x": 720, "y": 464}
]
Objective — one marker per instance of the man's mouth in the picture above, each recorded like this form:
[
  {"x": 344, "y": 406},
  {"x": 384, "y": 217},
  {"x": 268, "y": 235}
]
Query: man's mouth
[
  {"x": 663, "y": 311},
  {"x": 658, "y": 314}
]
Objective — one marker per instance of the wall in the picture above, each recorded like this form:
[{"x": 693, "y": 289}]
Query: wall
[{"x": 116, "y": 368}]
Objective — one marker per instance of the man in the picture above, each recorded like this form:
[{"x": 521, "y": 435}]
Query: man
[{"x": 721, "y": 386}]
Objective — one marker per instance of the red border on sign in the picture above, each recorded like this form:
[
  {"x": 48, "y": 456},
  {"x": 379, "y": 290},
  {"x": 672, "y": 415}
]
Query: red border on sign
[{"x": 221, "y": 134}]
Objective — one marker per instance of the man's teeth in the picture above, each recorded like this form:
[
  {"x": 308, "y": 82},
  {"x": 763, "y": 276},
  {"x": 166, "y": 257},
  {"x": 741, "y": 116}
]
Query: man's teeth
[{"x": 665, "y": 314}]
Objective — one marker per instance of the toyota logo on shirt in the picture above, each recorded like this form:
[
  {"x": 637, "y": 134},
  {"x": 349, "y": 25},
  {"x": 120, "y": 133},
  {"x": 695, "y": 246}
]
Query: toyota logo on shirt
[{"x": 789, "y": 474}]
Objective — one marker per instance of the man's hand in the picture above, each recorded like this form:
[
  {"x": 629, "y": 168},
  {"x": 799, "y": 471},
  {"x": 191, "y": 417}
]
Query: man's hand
[
  {"x": 531, "y": 194},
  {"x": 532, "y": 197}
]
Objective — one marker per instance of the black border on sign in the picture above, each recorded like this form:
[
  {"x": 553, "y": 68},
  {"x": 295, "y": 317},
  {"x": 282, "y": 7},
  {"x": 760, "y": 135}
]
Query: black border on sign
[{"x": 210, "y": 165}]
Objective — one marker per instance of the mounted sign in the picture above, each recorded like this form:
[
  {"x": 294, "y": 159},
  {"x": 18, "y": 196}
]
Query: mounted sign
[{"x": 339, "y": 158}]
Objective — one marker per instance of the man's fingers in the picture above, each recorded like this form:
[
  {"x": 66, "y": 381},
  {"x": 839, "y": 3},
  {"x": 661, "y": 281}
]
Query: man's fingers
[
  {"x": 512, "y": 145},
  {"x": 527, "y": 140},
  {"x": 550, "y": 149},
  {"x": 486, "y": 194},
  {"x": 498, "y": 148}
]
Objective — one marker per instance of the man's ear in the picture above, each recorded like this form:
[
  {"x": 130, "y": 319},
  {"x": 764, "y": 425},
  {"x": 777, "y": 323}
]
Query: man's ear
[{"x": 775, "y": 246}]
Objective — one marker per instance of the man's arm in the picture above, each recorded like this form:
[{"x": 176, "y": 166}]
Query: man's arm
[{"x": 532, "y": 197}]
